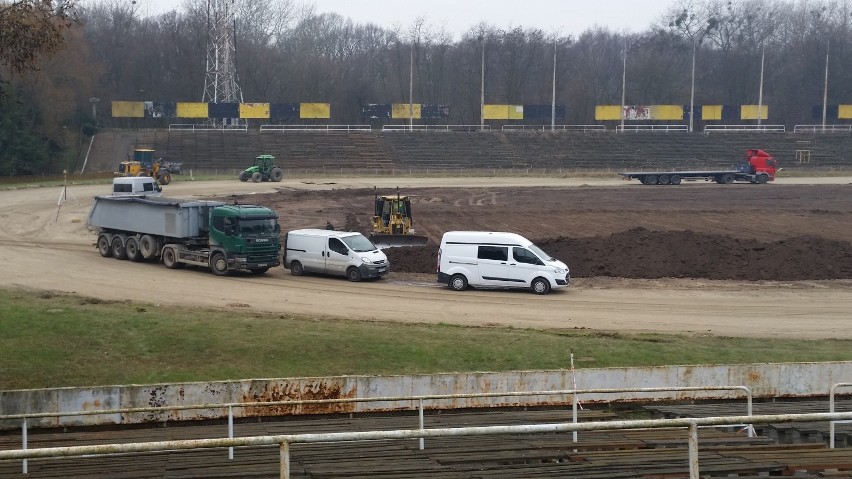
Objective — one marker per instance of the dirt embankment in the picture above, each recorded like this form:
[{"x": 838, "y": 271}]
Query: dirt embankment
[{"x": 641, "y": 253}]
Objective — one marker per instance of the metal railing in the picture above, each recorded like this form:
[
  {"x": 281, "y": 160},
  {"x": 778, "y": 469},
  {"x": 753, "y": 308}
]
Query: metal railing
[
  {"x": 654, "y": 128},
  {"x": 285, "y": 440},
  {"x": 396, "y": 128},
  {"x": 821, "y": 128},
  {"x": 315, "y": 128},
  {"x": 582, "y": 128},
  {"x": 575, "y": 393},
  {"x": 741, "y": 128},
  {"x": 203, "y": 127},
  {"x": 831, "y": 392}
]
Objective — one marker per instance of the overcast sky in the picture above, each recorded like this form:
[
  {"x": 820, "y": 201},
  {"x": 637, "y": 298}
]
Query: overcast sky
[{"x": 569, "y": 17}]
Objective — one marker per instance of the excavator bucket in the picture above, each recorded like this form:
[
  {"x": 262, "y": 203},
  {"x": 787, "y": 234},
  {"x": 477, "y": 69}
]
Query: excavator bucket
[{"x": 391, "y": 241}]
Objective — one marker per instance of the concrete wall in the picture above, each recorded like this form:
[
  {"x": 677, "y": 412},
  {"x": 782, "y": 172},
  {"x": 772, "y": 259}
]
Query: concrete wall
[{"x": 764, "y": 380}]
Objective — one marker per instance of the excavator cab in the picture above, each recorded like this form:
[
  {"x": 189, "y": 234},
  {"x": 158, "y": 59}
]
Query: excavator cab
[{"x": 392, "y": 222}]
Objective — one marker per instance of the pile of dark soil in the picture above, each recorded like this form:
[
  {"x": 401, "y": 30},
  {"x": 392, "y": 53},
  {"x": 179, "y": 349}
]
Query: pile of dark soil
[{"x": 642, "y": 253}]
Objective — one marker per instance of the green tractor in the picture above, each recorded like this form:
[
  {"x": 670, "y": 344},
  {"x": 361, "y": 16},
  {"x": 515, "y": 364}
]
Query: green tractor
[{"x": 264, "y": 169}]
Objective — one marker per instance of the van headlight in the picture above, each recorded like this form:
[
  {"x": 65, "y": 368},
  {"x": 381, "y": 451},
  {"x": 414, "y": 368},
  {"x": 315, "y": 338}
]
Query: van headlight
[
  {"x": 365, "y": 259},
  {"x": 559, "y": 270}
]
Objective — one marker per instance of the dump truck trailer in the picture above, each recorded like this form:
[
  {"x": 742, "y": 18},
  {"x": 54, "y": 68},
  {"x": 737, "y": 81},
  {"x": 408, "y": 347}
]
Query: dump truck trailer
[
  {"x": 213, "y": 234},
  {"x": 759, "y": 167}
]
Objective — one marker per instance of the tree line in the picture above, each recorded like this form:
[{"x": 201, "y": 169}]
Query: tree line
[{"x": 288, "y": 52}]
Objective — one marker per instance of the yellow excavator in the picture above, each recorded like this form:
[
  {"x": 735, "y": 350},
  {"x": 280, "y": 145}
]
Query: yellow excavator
[
  {"x": 392, "y": 223},
  {"x": 143, "y": 164}
]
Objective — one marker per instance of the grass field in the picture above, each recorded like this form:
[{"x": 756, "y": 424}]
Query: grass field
[{"x": 54, "y": 340}]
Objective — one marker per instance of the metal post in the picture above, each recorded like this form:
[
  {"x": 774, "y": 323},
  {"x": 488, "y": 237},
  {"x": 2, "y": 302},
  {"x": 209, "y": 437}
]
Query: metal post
[
  {"x": 553, "y": 94},
  {"x": 749, "y": 412},
  {"x": 623, "y": 86},
  {"x": 693, "y": 451},
  {"x": 411, "y": 90},
  {"x": 692, "y": 92},
  {"x": 24, "y": 443},
  {"x": 482, "y": 89},
  {"x": 230, "y": 430},
  {"x": 825, "y": 89},
  {"x": 422, "y": 446},
  {"x": 285, "y": 460},
  {"x": 574, "y": 414},
  {"x": 760, "y": 94},
  {"x": 831, "y": 423}
]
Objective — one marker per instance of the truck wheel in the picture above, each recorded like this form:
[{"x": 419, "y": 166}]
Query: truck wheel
[
  {"x": 165, "y": 177},
  {"x": 118, "y": 251},
  {"x": 674, "y": 180},
  {"x": 256, "y": 177},
  {"x": 219, "y": 264},
  {"x": 276, "y": 174},
  {"x": 726, "y": 179},
  {"x": 762, "y": 178},
  {"x": 458, "y": 282},
  {"x": 259, "y": 271},
  {"x": 650, "y": 180},
  {"x": 170, "y": 258},
  {"x": 296, "y": 268},
  {"x": 104, "y": 247},
  {"x": 353, "y": 274},
  {"x": 148, "y": 246},
  {"x": 540, "y": 286},
  {"x": 131, "y": 248},
  {"x": 663, "y": 180}
]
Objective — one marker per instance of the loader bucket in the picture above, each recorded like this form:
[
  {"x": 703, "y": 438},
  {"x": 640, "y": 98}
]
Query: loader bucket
[{"x": 392, "y": 241}]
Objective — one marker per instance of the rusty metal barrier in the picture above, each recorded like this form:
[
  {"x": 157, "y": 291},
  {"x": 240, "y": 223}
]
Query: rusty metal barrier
[
  {"x": 285, "y": 440},
  {"x": 230, "y": 406},
  {"x": 831, "y": 410}
]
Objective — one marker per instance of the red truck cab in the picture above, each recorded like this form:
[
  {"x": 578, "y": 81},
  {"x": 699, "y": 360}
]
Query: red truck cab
[{"x": 760, "y": 161}]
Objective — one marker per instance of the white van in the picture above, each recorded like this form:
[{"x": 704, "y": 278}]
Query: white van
[
  {"x": 342, "y": 253},
  {"x": 135, "y": 186},
  {"x": 497, "y": 260}
]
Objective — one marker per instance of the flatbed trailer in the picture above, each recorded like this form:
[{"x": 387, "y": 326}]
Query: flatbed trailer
[{"x": 759, "y": 168}]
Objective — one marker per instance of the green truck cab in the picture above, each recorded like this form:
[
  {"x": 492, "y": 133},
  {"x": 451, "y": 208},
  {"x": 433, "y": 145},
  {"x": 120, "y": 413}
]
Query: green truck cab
[{"x": 248, "y": 237}]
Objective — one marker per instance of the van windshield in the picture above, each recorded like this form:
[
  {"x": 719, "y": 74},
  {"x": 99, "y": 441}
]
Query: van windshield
[
  {"x": 540, "y": 253},
  {"x": 358, "y": 243}
]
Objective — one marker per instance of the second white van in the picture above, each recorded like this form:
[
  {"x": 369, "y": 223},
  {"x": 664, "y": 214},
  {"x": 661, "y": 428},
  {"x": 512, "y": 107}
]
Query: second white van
[
  {"x": 135, "y": 186},
  {"x": 343, "y": 253},
  {"x": 497, "y": 260}
]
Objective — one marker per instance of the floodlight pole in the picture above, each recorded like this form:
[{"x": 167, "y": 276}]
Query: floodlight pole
[
  {"x": 760, "y": 94},
  {"x": 825, "y": 88},
  {"x": 623, "y": 86},
  {"x": 692, "y": 91},
  {"x": 482, "y": 89},
  {"x": 553, "y": 94},
  {"x": 411, "y": 90}
]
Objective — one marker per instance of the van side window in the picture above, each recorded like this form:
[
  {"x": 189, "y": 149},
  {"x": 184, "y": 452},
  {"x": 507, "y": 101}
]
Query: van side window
[
  {"x": 525, "y": 256},
  {"x": 148, "y": 186},
  {"x": 337, "y": 246},
  {"x": 497, "y": 253},
  {"x": 122, "y": 188}
]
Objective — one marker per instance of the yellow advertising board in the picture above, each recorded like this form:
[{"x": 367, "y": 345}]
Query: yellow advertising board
[
  {"x": 711, "y": 112},
  {"x": 844, "y": 112},
  {"x": 254, "y": 110},
  {"x": 607, "y": 112},
  {"x": 315, "y": 110},
  {"x": 666, "y": 112},
  {"x": 503, "y": 112},
  {"x": 128, "y": 109},
  {"x": 191, "y": 110},
  {"x": 400, "y": 111},
  {"x": 749, "y": 112}
]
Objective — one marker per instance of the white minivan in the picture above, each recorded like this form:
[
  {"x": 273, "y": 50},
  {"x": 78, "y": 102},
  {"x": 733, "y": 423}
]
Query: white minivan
[
  {"x": 497, "y": 260},
  {"x": 343, "y": 253},
  {"x": 135, "y": 186}
]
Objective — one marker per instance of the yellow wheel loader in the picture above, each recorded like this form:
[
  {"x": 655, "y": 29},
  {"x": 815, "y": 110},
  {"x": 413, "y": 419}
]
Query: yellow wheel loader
[
  {"x": 143, "y": 164},
  {"x": 392, "y": 223}
]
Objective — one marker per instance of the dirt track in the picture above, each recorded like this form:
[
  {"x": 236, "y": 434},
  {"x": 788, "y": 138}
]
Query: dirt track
[{"x": 40, "y": 253}]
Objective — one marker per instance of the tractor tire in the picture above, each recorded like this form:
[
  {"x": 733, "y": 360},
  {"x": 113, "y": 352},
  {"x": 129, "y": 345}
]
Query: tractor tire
[
  {"x": 296, "y": 268},
  {"x": 104, "y": 247},
  {"x": 256, "y": 177},
  {"x": 219, "y": 264},
  {"x": 458, "y": 282},
  {"x": 540, "y": 286},
  {"x": 243, "y": 176},
  {"x": 165, "y": 177},
  {"x": 276, "y": 174},
  {"x": 131, "y": 248}
]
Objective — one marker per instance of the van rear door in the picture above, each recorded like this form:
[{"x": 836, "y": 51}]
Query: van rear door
[{"x": 493, "y": 264}]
